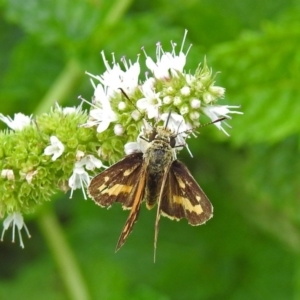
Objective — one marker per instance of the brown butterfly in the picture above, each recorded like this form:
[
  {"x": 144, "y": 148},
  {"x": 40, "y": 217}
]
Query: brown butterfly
[{"x": 157, "y": 177}]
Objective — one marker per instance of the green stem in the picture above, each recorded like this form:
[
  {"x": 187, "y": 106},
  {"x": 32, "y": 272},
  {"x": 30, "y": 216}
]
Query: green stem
[
  {"x": 116, "y": 13},
  {"x": 63, "y": 255},
  {"x": 62, "y": 86}
]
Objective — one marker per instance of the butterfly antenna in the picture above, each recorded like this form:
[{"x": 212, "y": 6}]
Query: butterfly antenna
[
  {"x": 215, "y": 121},
  {"x": 203, "y": 125},
  {"x": 126, "y": 96},
  {"x": 168, "y": 119}
]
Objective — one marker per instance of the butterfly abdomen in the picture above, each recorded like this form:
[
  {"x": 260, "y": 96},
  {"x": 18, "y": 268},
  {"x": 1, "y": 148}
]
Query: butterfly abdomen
[{"x": 159, "y": 157}]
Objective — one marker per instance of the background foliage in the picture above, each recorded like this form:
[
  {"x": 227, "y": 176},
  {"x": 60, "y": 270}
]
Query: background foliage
[{"x": 250, "y": 249}]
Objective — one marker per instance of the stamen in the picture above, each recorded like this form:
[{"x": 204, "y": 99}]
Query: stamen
[
  {"x": 2, "y": 235},
  {"x": 88, "y": 102},
  {"x": 143, "y": 49},
  {"x": 158, "y": 51},
  {"x": 183, "y": 41},
  {"x": 124, "y": 62},
  {"x": 13, "y": 235},
  {"x": 21, "y": 240},
  {"x": 107, "y": 66},
  {"x": 83, "y": 191},
  {"x": 173, "y": 48},
  {"x": 113, "y": 58},
  {"x": 188, "y": 50},
  {"x": 188, "y": 149},
  {"x": 93, "y": 83},
  {"x": 93, "y": 76}
]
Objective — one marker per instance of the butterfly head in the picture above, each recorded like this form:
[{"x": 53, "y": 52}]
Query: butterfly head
[{"x": 161, "y": 133}]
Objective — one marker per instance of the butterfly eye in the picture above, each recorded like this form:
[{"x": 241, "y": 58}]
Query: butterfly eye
[
  {"x": 172, "y": 141},
  {"x": 152, "y": 135}
]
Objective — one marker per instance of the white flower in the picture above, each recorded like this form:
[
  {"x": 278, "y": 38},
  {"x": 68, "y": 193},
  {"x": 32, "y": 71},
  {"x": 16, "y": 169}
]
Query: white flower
[
  {"x": 79, "y": 155},
  {"x": 79, "y": 179},
  {"x": 90, "y": 162},
  {"x": 151, "y": 102},
  {"x": 132, "y": 147},
  {"x": 218, "y": 91},
  {"x": 101, "y": 96},
  {"x": 103, "y": 115},
  {"x": 29, "y": 176},
  {"x": 194, "y": 115},
  {"x": 195, "y": 103},
  {"x": 185, "y": 91},
  {"x": 8, "y": 174},
  {"x": 208, "y": 97},
  {"x": 18, "y": 123},
  {"x": 115, "y": 78},
  {"x": 184, "y": 110},
  {"x": 177, "y": 101},
  {"x": 167, "y": 63},
  {"x": 56, "y": 148},
  {"x": 102, "y": 118},
  {"x": 141, "y": 144},
  {"x": 16, "y": 220},
  {"x": 190, "y": 80},
  {"x": 69, "y": 110},
  {"x": 136, "y": 115},
  {"x": 167, "y": 100},
  {"x": 118, "y": 129},
  {"x": 213, "y": 93},
  {"x": 122, "y": 105},
  {"x": 215, "y": 112}
]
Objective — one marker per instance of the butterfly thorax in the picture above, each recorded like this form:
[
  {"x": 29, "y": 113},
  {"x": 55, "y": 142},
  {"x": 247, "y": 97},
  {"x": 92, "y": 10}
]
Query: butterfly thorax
[{"x": 159, "y": 157}]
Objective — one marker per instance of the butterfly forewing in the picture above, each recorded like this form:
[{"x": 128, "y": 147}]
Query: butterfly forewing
[
  {"x": 183, "y": 197},
  {"x": 118, "y": 183},
  {"x": 138, "y": 195}
]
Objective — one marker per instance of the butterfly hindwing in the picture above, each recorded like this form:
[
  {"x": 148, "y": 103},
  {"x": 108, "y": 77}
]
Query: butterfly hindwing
[
  {"x": 183, "y": 197},
  {"x": 117, "y": 183}
]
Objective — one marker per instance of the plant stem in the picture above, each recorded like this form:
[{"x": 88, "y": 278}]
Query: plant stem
[
  {"x": 62, "y": 86},
  {"x": 63, "y": 255}
]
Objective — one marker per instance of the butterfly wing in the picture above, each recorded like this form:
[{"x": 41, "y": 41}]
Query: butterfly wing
[
  {"x": 138, "y": 196},
  {"x": 183, "y": 198},
  {"x": 117, "y": 183},
  {"x": 123, "y": 182}
]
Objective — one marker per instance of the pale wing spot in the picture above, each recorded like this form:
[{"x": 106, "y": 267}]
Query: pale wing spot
[
  {"x": 180, "y": 182},
  {"x": 117, "y": 189},
  {"x": 129, "y": 171},
  {"x": 187, "y": 205},
  {"x": 198, "y": 198},
  {"x": 103, "y": 186}
]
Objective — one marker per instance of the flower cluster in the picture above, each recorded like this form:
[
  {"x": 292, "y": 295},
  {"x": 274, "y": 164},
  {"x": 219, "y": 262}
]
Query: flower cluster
[
  {"x": 40, "y": 157},
  {"x": 122, "y": 101}
]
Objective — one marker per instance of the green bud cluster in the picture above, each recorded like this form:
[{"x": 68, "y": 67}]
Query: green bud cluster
[{"x": 28, "y": 176}]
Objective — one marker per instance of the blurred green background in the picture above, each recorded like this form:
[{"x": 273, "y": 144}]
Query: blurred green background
[{"x": 251, "y": 248}]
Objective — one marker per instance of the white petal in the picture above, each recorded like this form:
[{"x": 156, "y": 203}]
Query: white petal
[{"x": 132, "y": 147}]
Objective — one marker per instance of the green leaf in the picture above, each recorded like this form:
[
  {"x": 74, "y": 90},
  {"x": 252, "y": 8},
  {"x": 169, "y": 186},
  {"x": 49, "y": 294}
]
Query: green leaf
[{"x": 263, "y": 74}]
